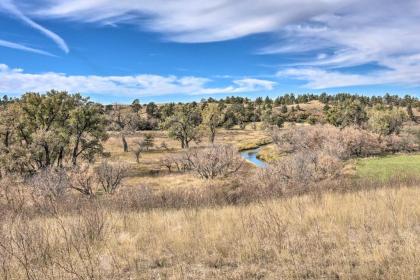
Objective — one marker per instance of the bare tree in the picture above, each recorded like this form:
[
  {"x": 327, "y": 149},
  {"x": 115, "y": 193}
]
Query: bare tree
[
  {"x": 137, "y": 153},
  {"x": 50, "y": 182},
  {"x": 83, "y": 179},
  {"x": 298, "y": 171},
  {"x": 110, "y": 176},
  {"x": 167, "y": 162},
  {"x": 214, "y": 161}
]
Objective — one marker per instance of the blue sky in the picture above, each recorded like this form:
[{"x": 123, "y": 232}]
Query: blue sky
[{"x": 185, "y": 49}]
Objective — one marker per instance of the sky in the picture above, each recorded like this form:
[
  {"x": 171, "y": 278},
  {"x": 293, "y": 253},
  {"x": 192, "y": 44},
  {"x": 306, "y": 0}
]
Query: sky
[{"x": 183, "y": 50}]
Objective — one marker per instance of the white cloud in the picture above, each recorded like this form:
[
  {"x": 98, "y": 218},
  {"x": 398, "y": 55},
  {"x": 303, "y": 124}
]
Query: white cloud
[
  {"x": 401, "y": 71},
  {"x": 332, "y": 33},
  {"x": 319, "y": 79},
  {"x": 12, "y": 45},
  {"x": 189, "y": 20},
  {"x": 9, "y": 7},
  {"x": 16, "y": 81}
]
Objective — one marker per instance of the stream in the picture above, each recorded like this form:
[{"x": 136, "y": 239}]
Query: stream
[{"x": 251, "y": 156}]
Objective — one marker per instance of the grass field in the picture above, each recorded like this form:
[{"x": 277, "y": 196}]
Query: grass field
[
  {"x": 360, "y": 235},
  {"x": 385, "y": 167},
  {"x": 149, "y": 171}
]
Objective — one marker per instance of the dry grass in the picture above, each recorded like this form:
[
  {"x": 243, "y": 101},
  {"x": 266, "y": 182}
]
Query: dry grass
[
  {"x": 149, "y": 171},
  {"x": 362, "y": 235},
  {"x": 268, "y": 153}
]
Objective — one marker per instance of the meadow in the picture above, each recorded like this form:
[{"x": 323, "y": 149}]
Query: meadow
[
  {"x": 385, "y": 167},
  {"x": 368, "y": 234},
  {"x": 334, "y": 201},
  {"x": 150, "y": 171}
]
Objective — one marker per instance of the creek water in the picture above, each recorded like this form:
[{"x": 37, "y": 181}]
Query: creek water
[{"x": 251, "y": 156}]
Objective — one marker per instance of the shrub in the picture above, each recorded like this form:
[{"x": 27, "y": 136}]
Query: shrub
[
  {"x": 50, "y": 182},
  {"x": 214, "y": 161},
  {"x": 110, "y": 176},
  {"x": 309, "y": 138},
  {"x": 83, "y": 179},
  {"x": 298, "y": 172},
  {"x": 341, "y": 143},
  {"x": 360, "y": 143},
  {"x": 385, "y": 121}
]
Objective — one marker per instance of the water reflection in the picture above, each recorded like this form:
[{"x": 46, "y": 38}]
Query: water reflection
[{"x": 251, "y": 156}]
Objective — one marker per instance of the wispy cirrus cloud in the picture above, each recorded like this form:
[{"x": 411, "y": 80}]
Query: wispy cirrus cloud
[
  {"x": 17, "y": 81},
  {"x": 13, "y": 45},
  {"x": 403, "y": 70},
  {"x": 333, "y": 34},
  {"x": 8, "y": 6}
]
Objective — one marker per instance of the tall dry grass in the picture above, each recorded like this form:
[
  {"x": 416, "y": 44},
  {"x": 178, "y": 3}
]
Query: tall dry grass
[{"x": 365, "y": 234}]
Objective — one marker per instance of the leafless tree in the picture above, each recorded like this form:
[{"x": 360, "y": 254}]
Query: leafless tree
[
  {"x": 110, "y": 176},
  {"x": 50, "y": 182},
  {"x": 298, "y": 171},
  {"x": 214, "y": 161},
  {"x": 83, "y": 179}
]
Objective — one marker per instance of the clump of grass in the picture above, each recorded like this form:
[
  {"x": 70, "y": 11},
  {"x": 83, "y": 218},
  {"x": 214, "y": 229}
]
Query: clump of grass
[{"x": 268, "y": 153}]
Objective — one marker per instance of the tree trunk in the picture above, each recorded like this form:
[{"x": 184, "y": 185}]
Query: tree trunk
[
  {"x": 47, "y": 156},
  {"x": 60, "y": 157},
  {"x": 212, "y": 135},
  {"x": 125, "y": 145},
  {"x": 6, "y": 139},
  {"x": 74, "y": 154}
]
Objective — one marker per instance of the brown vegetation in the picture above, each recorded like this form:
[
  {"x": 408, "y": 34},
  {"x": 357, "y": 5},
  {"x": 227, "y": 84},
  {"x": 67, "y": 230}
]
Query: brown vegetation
[
  {"x": 76, "y": 205},
  {"x": 366, "y": 234}
]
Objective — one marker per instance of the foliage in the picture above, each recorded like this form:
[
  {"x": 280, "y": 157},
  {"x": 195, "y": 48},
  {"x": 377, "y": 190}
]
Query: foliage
[
  {"x": 386, "y": 121},
  {"x": 49, "y": 129},
  {"x": 125, "y": 122},
  {"x": 183, "y": 125},
  {"x": 211, "y": 120},
  {"x": 349, "y": 112},
  {"x": 136, "y": 106}
]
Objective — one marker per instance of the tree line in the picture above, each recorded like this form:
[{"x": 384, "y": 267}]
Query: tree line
[{"x": 57, "y": 128}]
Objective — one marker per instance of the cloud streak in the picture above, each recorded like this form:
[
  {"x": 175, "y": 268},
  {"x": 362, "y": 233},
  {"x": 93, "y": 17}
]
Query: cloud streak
[
  {"x": 16, "y": 81},
  {"x": 332, "y": 35},
  {"x": 9, "y": 7},
  {"x": 12, "y": 45}
]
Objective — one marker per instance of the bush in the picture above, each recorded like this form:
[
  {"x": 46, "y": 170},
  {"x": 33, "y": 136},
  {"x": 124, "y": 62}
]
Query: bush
[
  {"x": 298, "y": 172},
  {"x": 309, "y": 138},
  {"x": 83, "y": 179},
  {"x": 341, "y": 143},
  {"x": 384, "y": 121},
  {"x": 360, "y": 143},
  {"x": 214, "y": 161},
  {"x": 110, "y": 176},
  {"x": 50, "y": 182}
]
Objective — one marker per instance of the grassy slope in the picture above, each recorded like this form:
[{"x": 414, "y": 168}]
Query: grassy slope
[
  {"x": 364, "y": 235},
  {"x": 345, "y": 235},
  {"x": 385, "y": 167}
]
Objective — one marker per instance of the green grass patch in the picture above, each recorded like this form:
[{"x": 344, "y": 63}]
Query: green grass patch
[{"x": 383, "y": 168}]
